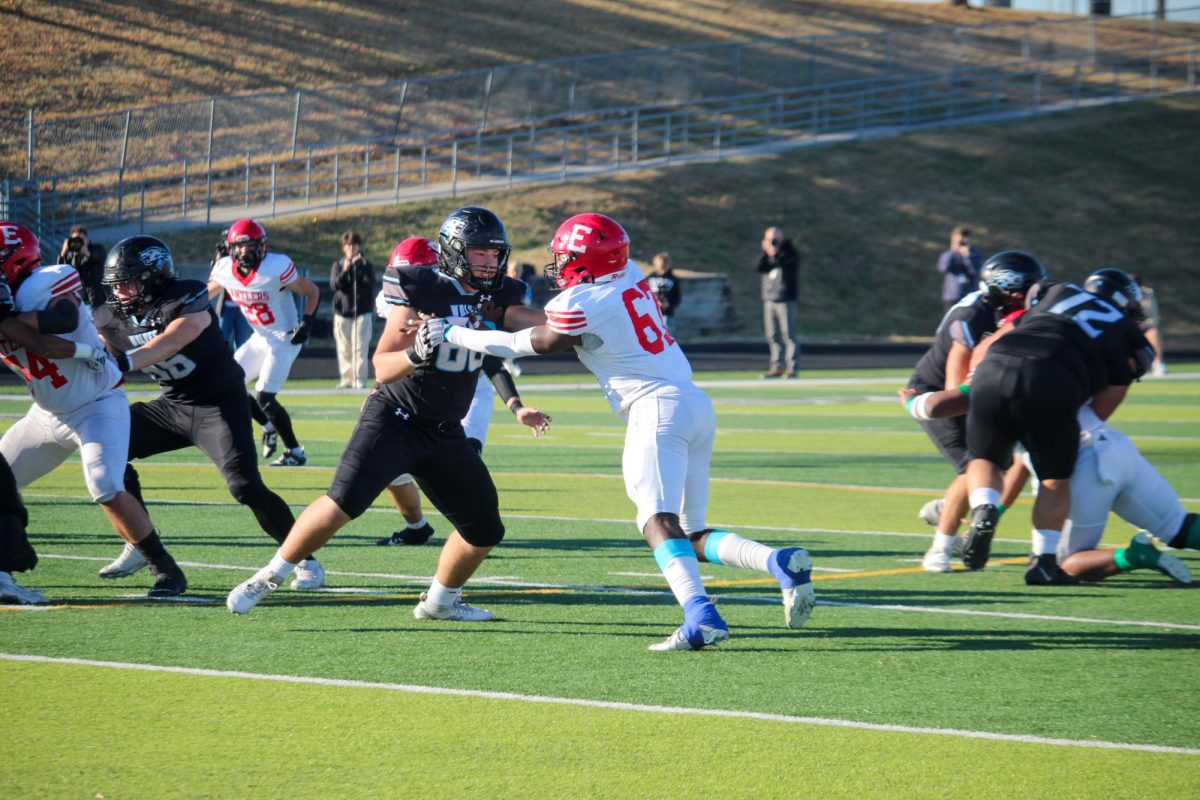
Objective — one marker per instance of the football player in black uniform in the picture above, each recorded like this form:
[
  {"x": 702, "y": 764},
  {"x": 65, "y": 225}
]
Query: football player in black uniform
[
  {"x": 165, "y": 327},
  {"x": 1005, "y": 279},
  {"x": 411, "y": 421},
  {"x": 1074, "y": 344}
]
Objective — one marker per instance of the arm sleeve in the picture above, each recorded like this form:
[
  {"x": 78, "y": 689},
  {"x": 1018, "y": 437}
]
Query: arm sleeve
[
  {"x": 493, "y": 343},
  {"x": 501, "y": 378}
]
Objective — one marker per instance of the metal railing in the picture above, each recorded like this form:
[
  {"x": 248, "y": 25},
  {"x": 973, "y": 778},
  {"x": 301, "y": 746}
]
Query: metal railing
[
  {"x": 380, "y": 171},
  {"x": 269, "y": 126}
]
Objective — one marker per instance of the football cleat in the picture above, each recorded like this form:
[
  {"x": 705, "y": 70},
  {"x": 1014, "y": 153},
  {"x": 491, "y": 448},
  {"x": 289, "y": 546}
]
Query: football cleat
[
  {"x": 459, "y": 612},
  {"x": 419, "y": 535},
  {"x": 1174, "y": 569},
  {"x": 978, "y": 545},
  {"x": 702, "y": 627},
  {"x": 692, "y": 639},
  {"x": 1167, "y": 564},
  {"x": 931, "y": 512},
  {"x": 290, "y": 458},
  {"x": 937, "y": 561},
  {"x": 270, "y": 440},
  {"x": 169, "y": 580},
  {"x": 12, "y": 592},
  {"x": 308, "y": 575},
  {"x": 1044, "y": 570},
  {"x": 245, "y": 595},
  {"x": 130, "y": 561},
  {"x": 792, "y": 567}
]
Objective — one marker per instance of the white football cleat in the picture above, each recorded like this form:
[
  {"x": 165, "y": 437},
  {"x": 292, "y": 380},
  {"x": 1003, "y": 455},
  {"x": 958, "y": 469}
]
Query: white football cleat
[
  {"x": 270, "y": 441},
  {"x": 245, "y": 595},
  {"x": 459, "y": 612},
  {"x": 309, "y": 574},
  {"x": 1174, "y": 569},
  {"x": 931, "y": 512},
  {"x": 937, "y": 561},
  {"x": 13, "y": 592},
  {"x": 712, "y": 637},
  {"x": 130, "y": 561}
]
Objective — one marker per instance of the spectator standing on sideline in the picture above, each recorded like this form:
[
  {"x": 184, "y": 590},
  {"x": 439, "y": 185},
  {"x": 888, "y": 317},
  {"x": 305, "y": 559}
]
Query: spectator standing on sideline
[
  {"x": 1150, "y": 327},
  {"x": 665, "y": 287},
  {"x": 87, "y": 257},
  {"x": 779, "y": 266},
  {"x": 352, "y": 279},
  {"x": 959, "y": 266}
]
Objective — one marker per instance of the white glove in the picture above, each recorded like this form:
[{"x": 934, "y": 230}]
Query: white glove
[{"x": 429, "y": 336}]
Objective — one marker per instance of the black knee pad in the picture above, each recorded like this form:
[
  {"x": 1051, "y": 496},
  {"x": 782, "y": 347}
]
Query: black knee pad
[
  {"x": 268, "y": 403},
  {"x": 483, "y": 535}
]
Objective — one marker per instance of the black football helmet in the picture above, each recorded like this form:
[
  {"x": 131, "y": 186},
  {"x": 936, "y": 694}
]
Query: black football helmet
[
  {"x": 1006, "y": 278},
  {"x": 472, "y": 226},
  {"x": 144, "y": 259},
  {"x": 1119, "y": 288}
]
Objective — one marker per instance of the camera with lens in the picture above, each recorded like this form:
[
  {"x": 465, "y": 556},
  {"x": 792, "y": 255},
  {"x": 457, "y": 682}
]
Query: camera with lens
[{"x": 74, "y": 254}]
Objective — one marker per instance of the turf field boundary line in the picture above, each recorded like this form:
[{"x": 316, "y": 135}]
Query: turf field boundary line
[
  {"x": 341, "y": 683},
  {"x": 512, "y": 586}
]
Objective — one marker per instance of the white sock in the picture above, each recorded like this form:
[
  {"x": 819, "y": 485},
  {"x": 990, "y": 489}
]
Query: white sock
[
  {"x": 943, "y": 542},
  {"x": 269, "y": 427},
  {"x": 681, "y": 568},
  {"x": 1045, "y": 541},
  {"x": 418, "y": 524},
  {"x": 280, "y": 566},
  {"x": 736, "y": 551},
  {"x": 986, "y": 496},
  {"x": 442, "y": 596}
]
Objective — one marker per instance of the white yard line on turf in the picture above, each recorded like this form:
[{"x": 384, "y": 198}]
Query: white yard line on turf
[
  {"x": 603, "y": 704},
  {"x": 515, "y": 582}
]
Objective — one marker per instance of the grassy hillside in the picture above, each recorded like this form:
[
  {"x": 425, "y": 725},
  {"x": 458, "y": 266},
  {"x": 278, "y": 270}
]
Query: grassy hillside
[
  {"x": 1114, "y": 186},
  {"x": 65, "y": 58}
]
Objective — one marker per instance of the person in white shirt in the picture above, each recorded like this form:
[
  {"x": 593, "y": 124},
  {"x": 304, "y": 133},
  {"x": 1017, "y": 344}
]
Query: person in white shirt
[
  {"x": 78, "y": 399},
  {"x": 608, "y": 314},
  {"x": 259, "y": 283}
]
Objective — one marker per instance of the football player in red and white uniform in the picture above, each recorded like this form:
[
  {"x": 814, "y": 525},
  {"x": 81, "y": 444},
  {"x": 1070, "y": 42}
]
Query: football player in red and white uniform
[
  {"x": 259, "y": 283},
  {"x": 608, "y": 314},
  {"x": 78, "y": 399}
]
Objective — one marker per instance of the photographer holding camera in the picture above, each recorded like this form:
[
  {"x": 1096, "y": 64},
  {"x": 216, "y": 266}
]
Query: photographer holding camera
[
  {"x": 352, "y": 279},
  {"x": 779, "y": 267},
  {"x": 87, "y": 258}
]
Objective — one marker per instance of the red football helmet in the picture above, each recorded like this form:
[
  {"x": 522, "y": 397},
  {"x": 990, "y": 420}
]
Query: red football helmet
[
  {"x": 587, "y": 248},
  {"x": 247, "y": 242},
  {"x": 20, "y": 253},
  {"x": 415, "y": 251}
]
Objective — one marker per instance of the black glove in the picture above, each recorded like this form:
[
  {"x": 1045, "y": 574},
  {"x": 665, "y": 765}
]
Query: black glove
[
  {"x": 300, "y": 335},
  {"x": 7, "y": 307},
  {"x": 122, "y": 361}
]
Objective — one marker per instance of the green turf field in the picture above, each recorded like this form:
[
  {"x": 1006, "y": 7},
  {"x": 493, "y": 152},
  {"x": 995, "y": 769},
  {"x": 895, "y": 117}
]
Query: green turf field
[{"x": 903, "y": 684}]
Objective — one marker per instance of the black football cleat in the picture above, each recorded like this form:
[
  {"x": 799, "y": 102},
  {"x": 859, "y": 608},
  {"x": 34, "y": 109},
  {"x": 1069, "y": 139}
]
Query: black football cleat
[
  {"x": 1044, "y": 570},
  {"x": 169, "y": 580},
  {"x": 978, "y": 545},
  {"x": 419, "y": 535}
]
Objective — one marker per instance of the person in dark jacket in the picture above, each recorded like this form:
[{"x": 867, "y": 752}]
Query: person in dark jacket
[
  {"x": 352, "y": 279},
  {"x": 779, "y": 266},
  {"x": 87, "y": 257}
]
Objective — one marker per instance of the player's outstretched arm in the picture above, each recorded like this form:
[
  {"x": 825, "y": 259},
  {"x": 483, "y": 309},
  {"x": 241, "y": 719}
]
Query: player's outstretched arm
[
  {"x": 537, "y": 341},
  {"x": 935, "y": 405},
  {"x": 40, "y": 344},
  {"x": 179, "y": 333},
  {"x": 502, "y": 380}
]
